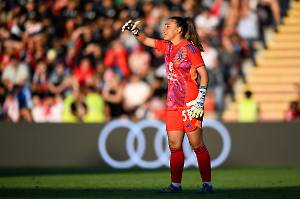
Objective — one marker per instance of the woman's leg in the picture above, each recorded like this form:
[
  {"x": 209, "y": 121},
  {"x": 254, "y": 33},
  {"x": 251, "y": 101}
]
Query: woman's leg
[
  {"x": 196, "y": 141},
  {"x": 175, "y": 139}
]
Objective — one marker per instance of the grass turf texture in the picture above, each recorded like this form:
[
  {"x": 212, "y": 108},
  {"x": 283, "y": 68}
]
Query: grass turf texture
[{"x": 229, "y": 183}]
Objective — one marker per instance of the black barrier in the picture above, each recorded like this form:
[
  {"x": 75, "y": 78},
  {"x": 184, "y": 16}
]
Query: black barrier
[{"x": 254, "y": 144}]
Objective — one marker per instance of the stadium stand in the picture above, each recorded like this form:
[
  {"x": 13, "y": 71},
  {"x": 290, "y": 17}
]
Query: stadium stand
[
  {"x": 276, "y": 79},
  {"x": 66, "y": 61}
]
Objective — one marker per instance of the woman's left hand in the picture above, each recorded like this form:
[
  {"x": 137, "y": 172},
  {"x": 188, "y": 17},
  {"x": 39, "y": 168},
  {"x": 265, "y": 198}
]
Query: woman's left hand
[{"x": 197, "y": 108}]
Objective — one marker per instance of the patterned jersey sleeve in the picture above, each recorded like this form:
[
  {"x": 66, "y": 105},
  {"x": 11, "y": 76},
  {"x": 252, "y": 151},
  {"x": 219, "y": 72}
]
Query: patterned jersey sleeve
[
  {"x": 161, "y": 45},
  {"x": 195, "y": 56}
]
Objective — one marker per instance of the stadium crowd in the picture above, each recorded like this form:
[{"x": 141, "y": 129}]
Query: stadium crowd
[{"x": 67, "y": 61}]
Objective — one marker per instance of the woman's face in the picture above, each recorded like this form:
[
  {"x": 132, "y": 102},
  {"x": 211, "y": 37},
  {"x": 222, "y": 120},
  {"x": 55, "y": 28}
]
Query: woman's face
[{"x": 170, "y": 30}]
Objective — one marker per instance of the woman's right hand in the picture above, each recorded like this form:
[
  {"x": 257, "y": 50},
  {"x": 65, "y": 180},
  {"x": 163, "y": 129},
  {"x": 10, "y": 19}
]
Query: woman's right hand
[{"x": 132, "y": 27}]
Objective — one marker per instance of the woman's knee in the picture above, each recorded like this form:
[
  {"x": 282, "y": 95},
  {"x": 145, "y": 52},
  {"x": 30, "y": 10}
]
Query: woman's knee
[
  {"x": 195, "y": 139},
  {"x": 174, "y": 143},
  {"x": 197, "y": 144},
  {"x": 175, "y": 139}
]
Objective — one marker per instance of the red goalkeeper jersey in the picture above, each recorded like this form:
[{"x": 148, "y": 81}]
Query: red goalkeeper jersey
[{"x": 182, "y": 61}]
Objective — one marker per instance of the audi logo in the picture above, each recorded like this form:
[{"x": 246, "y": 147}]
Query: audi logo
[{"x": 162, "y": 153}]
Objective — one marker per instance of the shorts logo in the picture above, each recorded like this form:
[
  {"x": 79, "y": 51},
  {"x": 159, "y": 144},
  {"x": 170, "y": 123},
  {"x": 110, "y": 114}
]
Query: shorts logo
[{"x": 189, "y": 125}]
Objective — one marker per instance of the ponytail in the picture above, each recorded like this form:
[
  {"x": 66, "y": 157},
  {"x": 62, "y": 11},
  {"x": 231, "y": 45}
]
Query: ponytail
[
  {"x": 188, "y": 31},
  {"x": 192, "y": 35}
]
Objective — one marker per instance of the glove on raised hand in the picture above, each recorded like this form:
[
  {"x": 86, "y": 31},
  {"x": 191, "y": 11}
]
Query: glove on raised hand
[
  {"x": 132, "y": 27},
  {"x": 197, "y": 105}
]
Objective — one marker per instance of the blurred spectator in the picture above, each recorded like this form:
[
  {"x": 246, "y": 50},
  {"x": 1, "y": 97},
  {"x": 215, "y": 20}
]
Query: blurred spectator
[
  {"x": 248, "y": 108},
  {"x": 11, "y": 107},
  {"x": 95, "y": 106},
  {"x": 37, "y": 109},
  {"x": 136, "y": 93},
  {"x": 159, "y": 87},
  {"x": 206, "y": 23},
  {"x": 108, "y": 9},
  {"x": 3, "y": 93},
  {"x": 47, "y": 109},
  {"x": 241, "y": 48},
  {"x": 129, "y": 41},
  {"x": 293, "y": 112},
  {"x": 74, "y": 106},
  {"x": 89, "y": 13},
  {"x": 157, "y": 109},
  {"x": 274, "y": 6},
  {"x": 71, "y": 9},
  {"x": 116, "y": 58},
  {"x": 284, "y": 5},
  {"x": 176, "y": 5},
  {"x": 39, "y": 81},
  {"x": 139, "y": 62},
  {"x": 210, "y": 105},
  {"x": 154, "y": 109},
  {"x": 190, "y": 8},
  {"x": 132, "y": 7},
  {"x": 15, "y": 77},
  {"x": 71, "y": 58},
  {"x": 25, "y": 104},
  {"x": 247, "y": 28},
  {"x": 94, "y": 52},
  {"x": 83, "y": 71},
  {"x": 113, "y": 94},
  {"x": 59, "y": 79},
  {"x": 230, "y": 63},
  {"x": 15, "y": 73}
]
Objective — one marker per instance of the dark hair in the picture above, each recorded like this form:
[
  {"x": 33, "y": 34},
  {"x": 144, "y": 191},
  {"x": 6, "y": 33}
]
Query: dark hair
[
  {"x": 188, "y": 30},
  {"x": 248, "y": 94}
]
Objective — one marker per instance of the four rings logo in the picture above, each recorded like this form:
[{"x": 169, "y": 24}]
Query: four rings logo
[{"x": 162, "y": 153}]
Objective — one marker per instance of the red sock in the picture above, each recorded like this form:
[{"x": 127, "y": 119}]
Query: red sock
[
  {"x": 203, "y": 159},
  {"x": 176, "y": 164}
]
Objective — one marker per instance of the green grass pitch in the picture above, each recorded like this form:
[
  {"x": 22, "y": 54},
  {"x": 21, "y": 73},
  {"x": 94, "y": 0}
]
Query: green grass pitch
[{"x": 229, "y": 183}]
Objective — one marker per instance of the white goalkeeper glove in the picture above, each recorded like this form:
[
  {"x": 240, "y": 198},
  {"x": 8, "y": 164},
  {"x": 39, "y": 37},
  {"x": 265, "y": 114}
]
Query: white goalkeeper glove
[
  {"x": 132, "y": 27},
  {"x": 197, "y": 105}
]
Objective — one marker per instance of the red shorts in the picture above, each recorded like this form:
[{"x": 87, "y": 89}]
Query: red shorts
[{"x": 178, "y": 120}]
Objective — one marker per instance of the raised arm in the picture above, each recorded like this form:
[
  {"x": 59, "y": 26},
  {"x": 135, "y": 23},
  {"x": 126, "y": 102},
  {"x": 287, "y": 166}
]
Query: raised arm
[{"x": 134, "y": 29}]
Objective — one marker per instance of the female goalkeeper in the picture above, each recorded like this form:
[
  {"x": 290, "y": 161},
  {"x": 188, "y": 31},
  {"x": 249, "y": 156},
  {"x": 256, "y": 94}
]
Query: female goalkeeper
[{"x": 187, "y": 87}]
